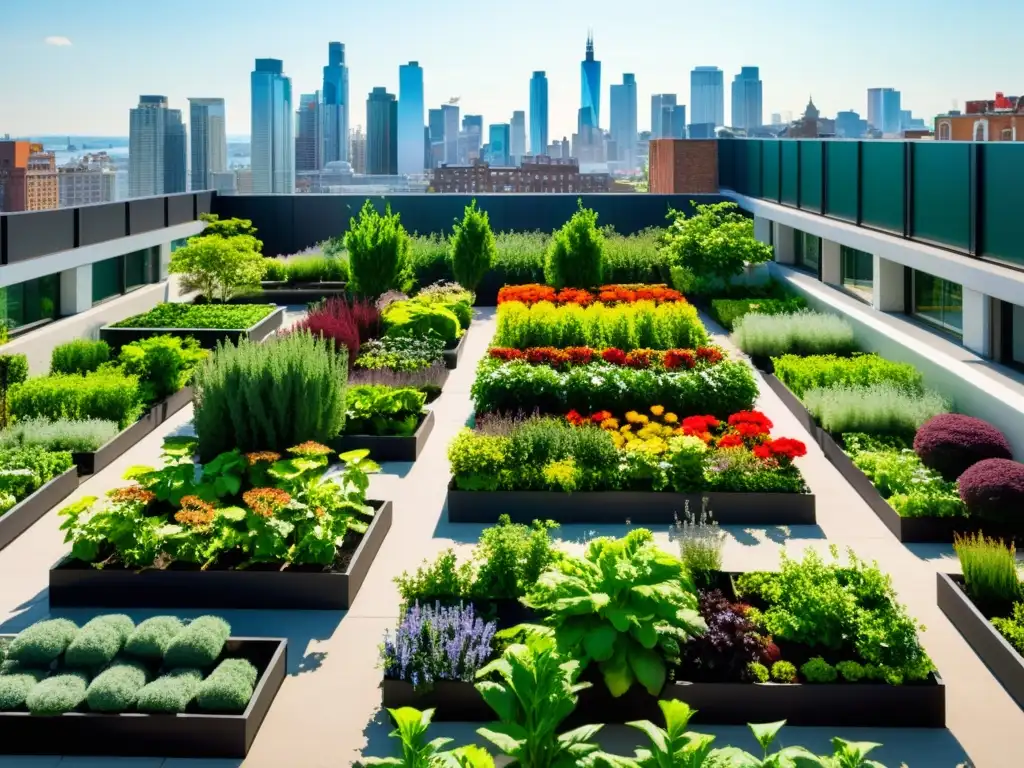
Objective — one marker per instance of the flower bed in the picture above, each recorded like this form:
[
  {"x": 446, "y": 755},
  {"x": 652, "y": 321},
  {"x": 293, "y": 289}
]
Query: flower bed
[
  {"x": 207, "y": 323},
  {"x": 269, "y": 536},
  {"x": 606, "y": 294},
  {"x": 211, "y": 702},
  {"x": 25, "y": 512}
]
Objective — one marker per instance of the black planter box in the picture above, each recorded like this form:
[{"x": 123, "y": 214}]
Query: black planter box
[
  {"x": 139, "y": 735},
  {"x": 74, "y": 586},
  {"x": 91, "y": 462},
  {"x": 207, "y": 337},
  {"x": 389, "y": 448},
  {"x": 910, "y": 530},
  {"x": 22, "y": 515},
  {"x": 1001, "y": 658},
  {"x": 638, "y": 507},
  {"x": 285, "y": 294},
  {"x": 792, "y": 403},
  {"x": 453, "y": 355}
]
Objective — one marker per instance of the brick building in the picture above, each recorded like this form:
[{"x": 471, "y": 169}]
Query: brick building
[
  {"x": 28, "y": 177},
  {"x": 683, "y": 166},
  {"x": 1000, "y": 119},
  {"x": 536, "y": 174}
]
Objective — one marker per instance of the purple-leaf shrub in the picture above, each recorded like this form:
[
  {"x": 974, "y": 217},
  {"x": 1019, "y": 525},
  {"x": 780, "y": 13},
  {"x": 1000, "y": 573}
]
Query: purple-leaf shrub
[
  {"x": 951, "y": 442},
  {"x": 730, "y": 644},
  {"x": 437, "y": 643},
  {"x": 993, "y": 489},
  {"x": 347, "y": 323}
]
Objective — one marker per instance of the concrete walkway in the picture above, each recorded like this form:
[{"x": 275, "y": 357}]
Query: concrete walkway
[{"x": 328, "y": 710}]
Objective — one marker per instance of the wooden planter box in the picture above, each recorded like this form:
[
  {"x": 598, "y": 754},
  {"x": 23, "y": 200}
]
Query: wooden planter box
[
  {"x": 1001, "y": 658},
  {"x": 636, "y": 507},
  {"x": 192, "y": 734},
  {"x": 910, "y": 530},
  {"x": 74, "y": 585},
  {"x": 22, "y": 515},
  {"x": 91, "y": 462},
  {"x": 453, "y": 355},
  {"x": 389, "y": 448},
  {"x": 207, "y": 337}
]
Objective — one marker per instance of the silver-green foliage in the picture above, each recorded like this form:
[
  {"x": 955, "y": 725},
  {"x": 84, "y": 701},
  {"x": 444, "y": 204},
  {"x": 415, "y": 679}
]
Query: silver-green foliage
[
  {"x": 270, "y": 396},
  {"x": 59, "y": 434},
  {"x": 170, "y": 693},
  {"x": 99, "y": 641},
  {"x": 117, "y": 687},
  {"x": 15, "y": 687},
  {"x": 799, "y": 333},
  {"x": 58, "y": 694},
  {"x": 200, "y": 644},
  {"x": 152, "y": 637},
  {"x": 229, "y": 687},
  {"x": 43, "y": 642},
  {"x": 875, "y": 409}
]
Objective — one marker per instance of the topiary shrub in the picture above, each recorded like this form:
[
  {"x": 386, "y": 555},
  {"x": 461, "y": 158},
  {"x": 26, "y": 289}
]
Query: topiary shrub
[
  {"x": 378, "y": 252},
  {"x": 952, "y": 442},
  {"x": 575, "y": 258},
  {"x": 98, "y": 642},
  {"x": 416, "y": 320},
  {"x": 58, "y": 694},
  {"x": 15, "y": 687},
  {"x": 783, "y": 672},
  {"x": 229, "y": 687},
  {"x": 817, "y": 670},
  {"x": 43, "y": 642},
  {"x": 117, "y": 687},
  {"x": 200, "y": 644},
  {"x": 852, "y": 671},
  {"x": 170, "y": 693},
  {"x": 472, "y": 247},
  {"x": 152, "y": 638},
  {"x": 993, "y": 489}
]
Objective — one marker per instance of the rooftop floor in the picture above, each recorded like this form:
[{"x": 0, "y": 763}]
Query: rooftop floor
[{"x": 328, "y": 711}]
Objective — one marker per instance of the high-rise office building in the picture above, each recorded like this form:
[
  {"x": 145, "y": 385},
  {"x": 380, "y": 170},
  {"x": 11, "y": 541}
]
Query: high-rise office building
[
  {"x": 623, "y": 127},
  {"x": 435, "y": 129},
  {"x": 156, "y": 149},
  {"x": 499, "y": 138},
  {"x": 87, "y": 180},
  {"x": 272, "y": 142},
  {"x": 590, "y": 89},
  {"x": 309, "y": 139},
  {"x": 746, "y": 99},
  {"x": 472, "y": 138},
  {"x": 207, "y": 122},
  {"x": 891, "y": 109},
  {"x": 849, "y": 125},
  {"x": 776, "y": 118},
  {"x": 517, "y": 142},
  {"x": 673, "y": 122},
  {"x": 335, "y": 112},
  {"x": 381, "y": 133},
  {"x": 539, "y": 113},
  {"x": 658, "y": 102},
  {"x": 410, "y": 118},
  {"x": 707, "y": 96},
  {"x": 357, "y": 150},
  {"x": 450, "y": 117},
  {"x": 28, "y": 177}
]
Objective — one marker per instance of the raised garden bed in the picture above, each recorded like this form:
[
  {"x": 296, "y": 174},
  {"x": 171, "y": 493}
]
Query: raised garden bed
[
  {"x": 453, "y": 355},
  {"x": 207, "y": 337},
  {"x": 1001, "y": 658},
  {"x": 283, "y": 293},
  {"x": 192, "y": 734},
  {"x": 390, "y": 447},
  {"x": 910, "y": 530},
  {"x": 792, "y": 403},
  {"x": 638, "y": 507},
  {"x": 77, "y": 584},
  {"x": 91, "y": 462},
  {"x": 22, "y": 515}
]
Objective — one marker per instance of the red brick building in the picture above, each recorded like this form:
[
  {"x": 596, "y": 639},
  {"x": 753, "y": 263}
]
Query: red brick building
[
  {"x": 28, "y": 177},
  {"x": 998, "y": 119},
  {"x": 683, "y": 166}
]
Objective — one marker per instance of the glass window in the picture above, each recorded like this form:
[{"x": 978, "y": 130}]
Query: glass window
[
  {"x": 25, "y": 303},
  {"x": 1016, "y": 335},
  {"x": 858, "y": 270},
  {"x": 107, "y": 279},
  {"x": 181, "y": 243},
  {"x": 939, "y": 302},
  {"x": 138, "y": 267},
  {"x": 808, "y": 251}
]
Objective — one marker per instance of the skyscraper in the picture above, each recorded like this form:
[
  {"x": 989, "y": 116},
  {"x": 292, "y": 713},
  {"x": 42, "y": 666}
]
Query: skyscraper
[
  {"x": 435, "y": 129},
  {"x": 156, "y": 149},
  {"x": 891, "y": 110},
  {"x": 410, "y": 118},
  {"x": 539, "y": 113},
  {"x": 335, "y": 105},
  {"x": 590, "y": 89},
  {"x": 381, "y": 133},
  {"x": 658, "y": 102},
  {"x": 623, "y": 120},
  {"x": 707, "y": 96},
  {"x": 517, "y": 141},
  {"x": 472, "y": 138},
  {"x": 450, "y": 115},
  {"x": 746, "y": 99},
  {"x": 309, "y": 140},
  {"x": 272, "y": 142},
  {"x": 499, "y": 137},
  {"x": 875, "y": 107},
  {"x": 209, "y": 141}
]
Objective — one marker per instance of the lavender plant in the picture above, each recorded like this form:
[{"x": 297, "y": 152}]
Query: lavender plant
[{"x": 437, "y": 643}]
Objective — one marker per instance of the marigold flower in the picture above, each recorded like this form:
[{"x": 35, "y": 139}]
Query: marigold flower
[
  {"x": 310, "y": 449},
  {"x": 657, "y": 410},
  {"x": 670, "y": 418},
  {"x": 613, "y": 356},
  {"x": 610, "y": 424},
  {"x": 640, "y": 358},
  {"x": 266, "y": 502},
  {"x": 678, "y": 358},
  {"x": 600, "y": 416},
  {"x": 268, "y": 456},
  {"x": 632, "y": 417},
  {"x": 579, "y": 355},
  {"x": 506, "y": 354},
  {"x": 574, "y": 418},
  {"x": 195, "y": 512},
  {"x": 132, "y": 493},
  {"x": 709, "y": 355}
]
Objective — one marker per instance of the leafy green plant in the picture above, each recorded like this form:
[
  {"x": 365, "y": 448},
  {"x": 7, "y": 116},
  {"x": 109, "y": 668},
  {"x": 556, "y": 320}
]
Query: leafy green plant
[
  {"x": 97, "y": 643},
  {"x": 200, "y": 644},
  {"x": 164, "y": 364},
  {"x": 13, "y": 370},
  {"x": 575, "y": 257},
  {"x": 185, "y": 316},
  {"x": 25, "y": 469},
  {"x": 79, "y": 356},
  {"x": 270, "y": 396},
  {"x": 400, "y": 353},
  {"x": 728, "y": 311},
  {"x": 42, "y": 643},
  {"x": 634, "y": 258},
  {"x": 219, "y": 267},
  {"x": 819, "y": 371},
  {"x": 152, "y": 637},
  {"x": 625, "y": 605},
  {"x": 800, "y": 333},
  {"x": 783, "y": 672},
  {"x": 817, "y": 670},
  {"x": 16, "y": 685},
  {"x": 472, "y": 247},
  {"x": 383, "y": 410},
  {"x": 874, "y": 409},
  {"x": 107, "y": 394},
  {"x": 511, "y": 557},
  {"x": 442, "y": 580},
  {"x": 411, "y": 727},
  {"x": 227, "y": 228},
  {"x": 170, "y": 693},
  {"x": 378, "y": 248},
  {"x": 421, "y": 320},
  {"x": 1012, "y": 627},
  {"x": 989, "y": 567},
  {"x": 59, "y": 435}
]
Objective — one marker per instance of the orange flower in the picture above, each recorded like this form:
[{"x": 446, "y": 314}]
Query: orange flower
[
  {"x": 195, "y": 512},
  {"x": 131, "y": 493},
  {"x": 266, "y": 502},
  {"x": 310, "y": 449},
  {"x": 268, "y": 456}
]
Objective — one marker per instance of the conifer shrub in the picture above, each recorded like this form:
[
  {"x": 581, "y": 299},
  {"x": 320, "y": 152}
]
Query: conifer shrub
[
  {"x": 575, "y": 257},
  {"x": 200, "y": 644},
  {"x": 43, "y": 642},
  {"x": 117, "y": 687},
  {"x": 170, "y": 693},
  {"x": 151, "y": 639},
  {"x": 472, "y": 247},
  {"x": 378, "y": 252}
]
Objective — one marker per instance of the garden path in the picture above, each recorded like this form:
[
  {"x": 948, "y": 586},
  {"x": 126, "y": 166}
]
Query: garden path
[{"x": 328, "y": 710}]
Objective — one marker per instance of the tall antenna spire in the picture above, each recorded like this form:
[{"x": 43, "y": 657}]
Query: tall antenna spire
[{"x": 590, "y": 43}]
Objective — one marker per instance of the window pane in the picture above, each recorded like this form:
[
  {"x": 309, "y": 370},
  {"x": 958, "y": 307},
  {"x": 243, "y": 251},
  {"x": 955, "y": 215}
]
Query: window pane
[
  {"x": 858, "y": 270},
  {"x": 811, "y": 253},
  {"x": 953, "y": 306},
  {"x": 30, "y": 302},
  {"x": 107, "y": 278},
  {"x": 135, "y": 269},
  {"x": 1017, "y": 335},
  {"x": 938, "y": 302}
]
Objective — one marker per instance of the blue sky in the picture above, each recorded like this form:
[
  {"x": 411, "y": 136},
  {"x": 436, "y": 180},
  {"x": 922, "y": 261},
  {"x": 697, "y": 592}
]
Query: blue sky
[{"x": 937, "y": 52}]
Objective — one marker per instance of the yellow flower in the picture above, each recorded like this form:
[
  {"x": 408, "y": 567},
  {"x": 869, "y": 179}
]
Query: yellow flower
[
  {"x": 610, "y": 424},
  {"x": 670, "y": 418},
  {"x": 626, "y": 428},
  {"x": 657, "y": 410},
  {"x": 642, "y": 419},
  {"x": 633, "y": 417}
]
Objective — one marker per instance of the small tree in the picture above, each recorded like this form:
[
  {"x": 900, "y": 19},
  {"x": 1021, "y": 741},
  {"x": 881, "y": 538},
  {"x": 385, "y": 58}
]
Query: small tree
[
  {"x": 378, "y": 251},
  {"x": 471, "y": 248},
  {"x": 219, "y": 267},
  {"x": 575, "y": 258},
  {"x": 217, "y": 227},
  {"x": 715, "y": 244}
]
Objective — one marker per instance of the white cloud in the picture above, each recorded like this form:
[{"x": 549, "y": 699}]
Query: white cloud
[{"x": 57, "y": 40}]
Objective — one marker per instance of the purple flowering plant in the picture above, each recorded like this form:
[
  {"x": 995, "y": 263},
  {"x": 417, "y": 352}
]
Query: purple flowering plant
[{"x": 437, "y": 643}]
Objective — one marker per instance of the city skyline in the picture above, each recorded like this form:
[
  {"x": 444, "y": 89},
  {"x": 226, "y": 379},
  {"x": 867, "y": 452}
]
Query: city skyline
[{"x": 488, "y": 86}]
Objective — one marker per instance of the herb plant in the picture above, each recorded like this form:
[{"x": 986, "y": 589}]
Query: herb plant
[
  {"x": 164, "y": 364},
  {"x": 59, "y": 435},
  {"x": 818, "y": 371},
  {"x": 383, "y": 411},
  {"x": 876, "y": 409},
  {"x": 79, "y": 356},
  {"x": 728, "y": 311},
  {"x": 800, "y": 333},
  {"x": 989, "y": 567},
  {"x": 217, "y": 316},
  {"x": 106, "y": 394},
  {"x": 400, "y": 353}
]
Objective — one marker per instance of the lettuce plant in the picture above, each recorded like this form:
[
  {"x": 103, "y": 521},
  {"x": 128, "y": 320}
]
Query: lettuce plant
[
  {"x": 379, "y": 410},
  {"x": 625, "y": 605}
]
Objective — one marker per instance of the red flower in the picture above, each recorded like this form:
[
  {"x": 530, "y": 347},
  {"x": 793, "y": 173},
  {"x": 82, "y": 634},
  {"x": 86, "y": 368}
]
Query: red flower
[
  {"x": 600, "y": 416},
  {"x": 750, "y": 430},
  {"x": 709, "y": 355},
  {"x": 527, "y": 294},
  {"x": 640, "y": 358},
  {"x": 763, "y": 451},
  {"x": 678, "y": 358},
  {"x": 613, "y": 356},
  {"x": 788, "y": 448},
  {"x": 730, "y": 441},
  {"x": 751, "y": 417},
  {"x": 579, "y": 355},
  {"x": 574, "y": 418},
  {"x": 699, "y": 426},
  {"x": 505, "y": 353},
  {"x": 575, "y": 296}
]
